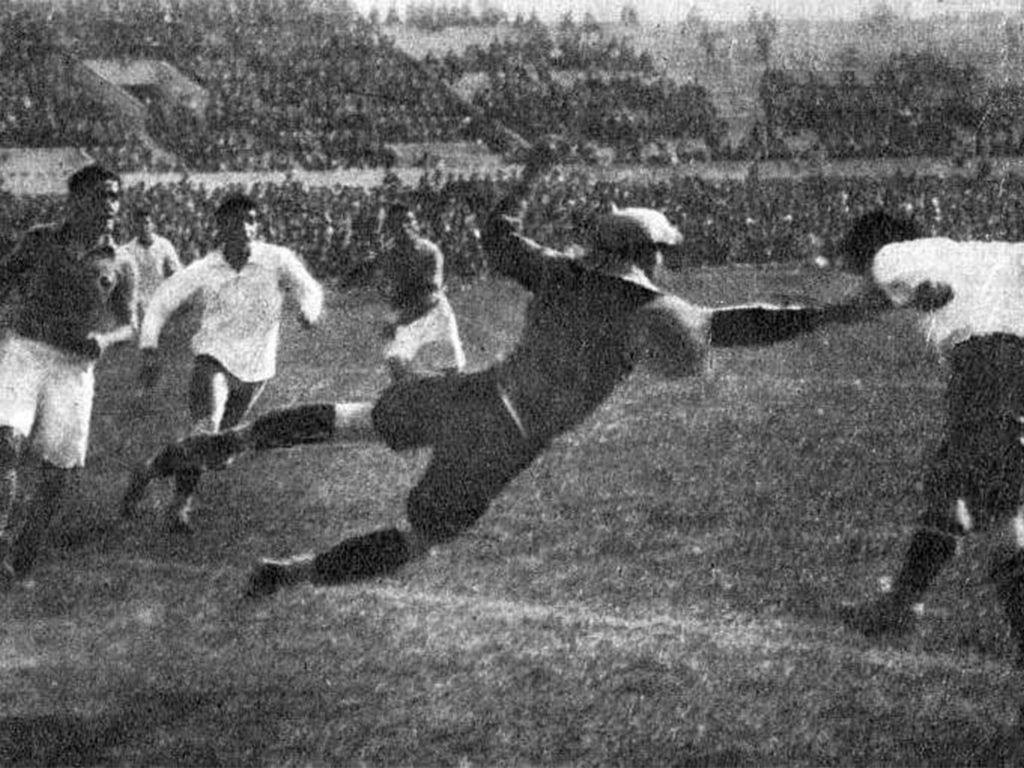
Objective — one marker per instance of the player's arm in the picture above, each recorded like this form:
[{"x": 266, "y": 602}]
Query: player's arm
[
  {"x": 516, "y": 256},
  {"x": 509, "y": 252},
  {"x": 876, "y": 300},
  {"x": 755, "y": 325},
  {"x": 124, "y": 304},
  {"x": 172, "y": 262},
  {"x": 172, "y": 294},
  {"x": 303, "y": 286}
]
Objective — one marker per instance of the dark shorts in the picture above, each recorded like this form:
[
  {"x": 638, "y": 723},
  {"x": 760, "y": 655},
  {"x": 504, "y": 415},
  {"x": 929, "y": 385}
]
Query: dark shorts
[
  {"x": 477, "y": 447},
  {"x": 981, "y": 459}
]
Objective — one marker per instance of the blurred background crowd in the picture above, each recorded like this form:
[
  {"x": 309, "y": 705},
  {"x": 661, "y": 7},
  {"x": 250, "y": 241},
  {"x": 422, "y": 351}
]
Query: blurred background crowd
[
  {"x": 297, "y": 84},
  {"x": 339, "y": 229}
]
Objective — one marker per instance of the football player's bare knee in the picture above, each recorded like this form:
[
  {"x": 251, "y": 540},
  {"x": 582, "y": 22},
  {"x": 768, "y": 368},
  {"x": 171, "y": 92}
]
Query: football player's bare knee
[{"x": 354, "y": 421}]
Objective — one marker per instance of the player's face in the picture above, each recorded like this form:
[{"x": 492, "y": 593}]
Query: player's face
[
  {"x": 144, "y": 228},
  {"x": 240, "y": 227},
  {"x": 101, "y": 201}
]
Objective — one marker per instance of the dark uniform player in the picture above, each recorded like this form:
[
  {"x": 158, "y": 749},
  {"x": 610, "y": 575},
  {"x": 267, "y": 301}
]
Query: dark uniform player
[
  {"x": 424, "y": 337},
  {"x": 75, "y": 296},
  {"x": 588, "y": 325}
]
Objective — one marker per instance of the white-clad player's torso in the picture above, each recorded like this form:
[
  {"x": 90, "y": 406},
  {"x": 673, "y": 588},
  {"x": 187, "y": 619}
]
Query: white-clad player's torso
[
  {"x": 987, "y": 279},
  {"x": 150, "y": 264}
]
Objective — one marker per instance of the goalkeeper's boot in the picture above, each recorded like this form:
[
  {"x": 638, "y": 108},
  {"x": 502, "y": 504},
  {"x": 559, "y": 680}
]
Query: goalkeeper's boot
[
  {"x": 271, "y": 575},
  {"x": 893, "y": 613},
  {"x": 887, "y": 615}
]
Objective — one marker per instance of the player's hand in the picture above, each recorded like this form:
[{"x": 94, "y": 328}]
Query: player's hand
[
  {"x": 149, "y": 371},
  {"x": 929, "y": 296},
  {"x": 306, "y": 323}
]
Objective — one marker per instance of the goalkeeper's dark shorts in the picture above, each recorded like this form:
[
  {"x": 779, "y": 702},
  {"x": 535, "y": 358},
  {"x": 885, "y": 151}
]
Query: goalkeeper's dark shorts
[{"x": 478, "y": 447}]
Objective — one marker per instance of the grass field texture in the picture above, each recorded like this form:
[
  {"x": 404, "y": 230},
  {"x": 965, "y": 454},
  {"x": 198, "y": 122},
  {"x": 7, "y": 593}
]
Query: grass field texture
[{"x": 658, "y": 589}]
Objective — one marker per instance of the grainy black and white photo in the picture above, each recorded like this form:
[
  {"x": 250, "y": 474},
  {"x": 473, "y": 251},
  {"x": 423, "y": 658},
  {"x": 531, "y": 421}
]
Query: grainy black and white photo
[{"x": 506, "y": 383}]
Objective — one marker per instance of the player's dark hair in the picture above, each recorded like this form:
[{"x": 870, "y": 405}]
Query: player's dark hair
[
  {"x": 90, "y": 177},
  {"x": 142, "y": 212},
  {"x": 869, "y": 233},
  {"x": 235, "y": 204}
]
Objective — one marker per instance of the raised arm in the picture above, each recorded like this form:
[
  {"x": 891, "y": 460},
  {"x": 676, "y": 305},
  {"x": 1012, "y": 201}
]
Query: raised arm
[
  {"x": 172, "y": 294},
  {"x": 172, "y": 262},
  {"x": 509, "y": 252},
  {"x": 303, "y": 287}
]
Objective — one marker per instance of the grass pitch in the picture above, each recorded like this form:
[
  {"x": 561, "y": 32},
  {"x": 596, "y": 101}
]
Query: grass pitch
[{"x": 659, "y": 588}]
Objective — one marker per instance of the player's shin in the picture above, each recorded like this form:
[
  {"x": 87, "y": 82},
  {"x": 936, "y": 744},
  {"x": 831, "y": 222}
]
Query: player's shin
[
  {"x": 53, "y": 483},
  {"x": 1008, "y": 577},
  {"x": 10, "y": 456},
  {"x": 362, "y": 557},
  {"x": 892, "y": 613},
  {"x": 929, "y": 551},
  {"x": 319, "y": 423}
]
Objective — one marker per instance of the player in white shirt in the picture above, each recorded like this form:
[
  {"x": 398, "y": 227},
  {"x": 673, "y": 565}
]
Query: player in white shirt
[
  {"x": 971, "y": 295},
  {"x": 241, "y": 287},
  {"x": 154, "y": 257}
]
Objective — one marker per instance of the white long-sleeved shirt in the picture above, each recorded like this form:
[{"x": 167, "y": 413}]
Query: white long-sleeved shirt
[
  {"x": 153, "y": 264},
  {"x": 241, "y": 309},
  {"x": 987, "y": 279}
]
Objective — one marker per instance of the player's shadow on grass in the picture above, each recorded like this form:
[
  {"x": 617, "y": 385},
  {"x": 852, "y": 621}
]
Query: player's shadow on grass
[{"x": 68, "y": 739}]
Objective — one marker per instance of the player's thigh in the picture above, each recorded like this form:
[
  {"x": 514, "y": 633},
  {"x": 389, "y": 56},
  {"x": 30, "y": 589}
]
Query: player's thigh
[
  {"x": 477, "y": 457},
  {"x": 60, "y": 435},
  {"x": 24, "y": 371},
  {"x": 208, "y": 392},
  {"x": 413, "y": 412}
]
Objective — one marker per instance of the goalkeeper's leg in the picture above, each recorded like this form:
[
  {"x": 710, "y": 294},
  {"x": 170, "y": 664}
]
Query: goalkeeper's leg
[{"x": 188, "y": 458}]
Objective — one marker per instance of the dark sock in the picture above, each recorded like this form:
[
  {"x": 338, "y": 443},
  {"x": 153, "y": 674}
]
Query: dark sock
[
  {"x": 1009, "y": 579},
  {"x": 293, "y": 426},
  {"x": 362, "y": 557},
  {"x": 928, "y": 553}
]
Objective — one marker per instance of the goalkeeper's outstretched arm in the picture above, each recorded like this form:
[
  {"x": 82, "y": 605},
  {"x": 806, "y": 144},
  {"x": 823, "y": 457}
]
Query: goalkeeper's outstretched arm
[{"x": 755, "y": 325}]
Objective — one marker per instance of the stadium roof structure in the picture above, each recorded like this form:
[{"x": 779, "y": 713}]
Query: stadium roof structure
[
  {"x": 172, "y": 84},
  {"x": 39, "y": 171}
]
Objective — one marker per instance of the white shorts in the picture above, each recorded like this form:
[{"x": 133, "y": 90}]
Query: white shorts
[
  {"x": 430, "y": 344},
  {"x": 46, "y": 395}
]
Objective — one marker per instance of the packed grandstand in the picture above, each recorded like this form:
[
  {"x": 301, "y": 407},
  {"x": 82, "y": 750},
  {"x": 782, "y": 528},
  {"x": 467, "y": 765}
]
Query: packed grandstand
[{"x": 279, "y": 85}]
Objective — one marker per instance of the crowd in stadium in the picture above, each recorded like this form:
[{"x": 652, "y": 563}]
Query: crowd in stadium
[
  {"x": 329, "y": 89},
  {"x": 337, "y": 229}
]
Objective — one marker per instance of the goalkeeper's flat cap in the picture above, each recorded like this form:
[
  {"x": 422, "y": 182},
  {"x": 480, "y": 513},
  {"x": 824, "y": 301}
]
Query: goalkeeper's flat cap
[{"x": 626, "y": 236}]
